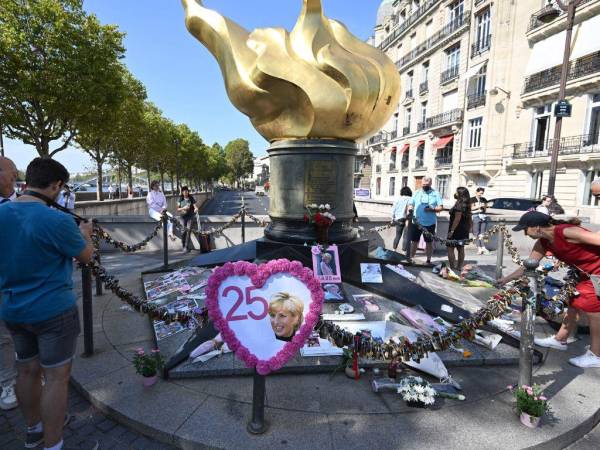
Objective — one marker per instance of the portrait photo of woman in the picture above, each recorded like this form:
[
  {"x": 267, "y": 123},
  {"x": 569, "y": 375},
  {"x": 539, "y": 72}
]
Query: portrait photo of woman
[{"x": 286, "y": 315}]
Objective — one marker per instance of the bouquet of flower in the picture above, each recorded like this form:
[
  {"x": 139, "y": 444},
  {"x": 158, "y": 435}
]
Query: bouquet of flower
[
  {"x": 148, "y": 365},
  {"x": 530, "y": 400},
  {"x": 416, "y": 390},
  {"x": 319, "y": 215}
]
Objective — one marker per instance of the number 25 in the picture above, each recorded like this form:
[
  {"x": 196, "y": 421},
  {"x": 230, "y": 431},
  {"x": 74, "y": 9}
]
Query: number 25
[{"x": 231, "y": 315}]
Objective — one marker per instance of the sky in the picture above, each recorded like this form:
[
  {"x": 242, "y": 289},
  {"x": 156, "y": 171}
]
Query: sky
[{"x": 181, "y": 76}]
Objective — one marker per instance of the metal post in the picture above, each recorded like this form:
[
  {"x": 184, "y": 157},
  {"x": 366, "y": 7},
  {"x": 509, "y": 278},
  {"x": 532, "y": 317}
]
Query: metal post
[
  {"x": 500, "y": 251},
  {"x": 88, "y": 321},
  {"x": 570, "y": 8},
  {"x": 98, "y": 280},
  {"x": 528, "y": 324},
  {"x": 243, "y": 222},
  {"x": 177, "y": 164},
  {"x": 1, "y": 141},
  {"x": 165, "y": 220},
  {"x": 257, "y": 424}
]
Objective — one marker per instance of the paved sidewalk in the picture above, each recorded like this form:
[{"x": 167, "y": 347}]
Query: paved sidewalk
[{"x": 321, "y": 411}]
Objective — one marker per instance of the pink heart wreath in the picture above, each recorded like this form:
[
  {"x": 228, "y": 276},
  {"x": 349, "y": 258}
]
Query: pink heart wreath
[{"x": 259, "y": 275}]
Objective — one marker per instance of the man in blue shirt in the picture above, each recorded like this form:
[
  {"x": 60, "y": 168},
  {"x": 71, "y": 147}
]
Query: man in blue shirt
[
  {"x": 426, "y": 203},
  {"x": 38, "y": 245}
]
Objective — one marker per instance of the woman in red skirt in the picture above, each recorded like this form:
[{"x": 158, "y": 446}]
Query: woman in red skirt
[{"x": 575, "y": 246}]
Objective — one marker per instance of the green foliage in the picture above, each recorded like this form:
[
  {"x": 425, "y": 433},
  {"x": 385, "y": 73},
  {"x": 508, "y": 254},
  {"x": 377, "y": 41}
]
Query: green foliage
[
  {"x": 530, "y": 400},
  {"x": 57, "y": 68},
  {"x": 240, "y": 160},
  {"x": 148, "y": 365}
]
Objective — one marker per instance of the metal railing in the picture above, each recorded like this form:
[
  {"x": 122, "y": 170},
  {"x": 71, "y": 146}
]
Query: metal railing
[
  {"x": 481, "y": 46},
  {"x": 393, "y": 134},
  {"x": 408, "y": 93},
  {"x": 423, "y": 87},
  {"x": 455, "y": 115},
  {"x": 404, "y": 164},
  {"x": 442, "y": 35},
  {"x": 569, "y": 145},
  {"x": 405, "y": 130},
  {"x": 393, "y": 167},
  {"x": 550, "y": 77},
  {"x": 379, "y": 137},
  {"x": 534, "y": 21},
  {"x": 421, "y": 126},
  {"x": 404, "y": 26},
  {"x": 419, "y": 163},
  {"x": 448, "y": 75},
  {"x": 443, "y": 161},
  {"x": 476, "y": 100}
]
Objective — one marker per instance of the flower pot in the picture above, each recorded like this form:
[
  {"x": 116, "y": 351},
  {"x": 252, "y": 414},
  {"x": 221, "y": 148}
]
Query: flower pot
[
  {"x": 413, "y": 404},
  {"x": 530, "y": 421},
  {"x": 149, "y": 381}
]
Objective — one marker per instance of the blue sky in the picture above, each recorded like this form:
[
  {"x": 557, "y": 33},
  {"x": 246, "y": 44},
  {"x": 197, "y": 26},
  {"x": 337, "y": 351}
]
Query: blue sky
[{"x": 181, "y": 76}]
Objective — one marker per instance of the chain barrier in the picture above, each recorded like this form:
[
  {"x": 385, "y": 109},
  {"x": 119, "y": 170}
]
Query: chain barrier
[
  {"x": 261, "y": 223},
  {"x": 127, "y": 248}
]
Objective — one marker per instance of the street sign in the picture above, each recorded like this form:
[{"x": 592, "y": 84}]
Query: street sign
[
  {"x": 362, "y": 193},
  {"x": 562, "y": 109}
]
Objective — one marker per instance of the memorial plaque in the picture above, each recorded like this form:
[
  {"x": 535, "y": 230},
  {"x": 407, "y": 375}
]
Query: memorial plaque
[{"x": 320, "y": 182}]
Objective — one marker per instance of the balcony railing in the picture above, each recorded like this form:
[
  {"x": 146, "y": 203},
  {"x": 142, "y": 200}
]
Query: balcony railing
[
  {"x": 482, "y": 46},
  {"x": 443, "y": 161},
  {"x": 421, "y": 126},
  {"x": 448, "y": 75},
  {"x": 419, "y": 163},
  {"x": 393, "y": 167},
  {"x": 455, "y": 115},
  {"x": 476, "y": 100},
  {"x": 535, "y": 22},
  {"x": 404, "y": 164},
  {"x": 412, "y": 19},
  {"x": 579, "y": 68},
  {"x": 409, "y": 94},
  {"x": 423, "y": 87},
  {"x": 378, "y": 138},
  {"x": 438, "y": 37},
  {"x": 378, "y": 168},
  {"x": 570, "y": 145},
  {"x": 405, "y": 130}
]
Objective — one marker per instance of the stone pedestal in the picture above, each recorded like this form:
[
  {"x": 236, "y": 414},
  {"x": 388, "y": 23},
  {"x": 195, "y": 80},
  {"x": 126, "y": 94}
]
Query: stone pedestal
[{"x": 310, "y": 171}]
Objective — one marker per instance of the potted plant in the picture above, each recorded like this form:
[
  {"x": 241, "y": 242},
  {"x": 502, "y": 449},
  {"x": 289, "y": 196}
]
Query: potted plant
[
  {"x": 321, "y": 217},
  {"x": 531, "y": 404},
  {"x": 416, "y": 392},
  {"x": 148, "y": 365}
]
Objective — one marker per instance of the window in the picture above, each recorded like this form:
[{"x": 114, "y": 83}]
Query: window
[
  {"x": 594, "y": 124},
  {"x": 409, "y": 80},
  {"x": 453, "y": 57},
  {"x": 475, "y": 132},
  {"x": 588, "y": 198},
  {"x": 392, "y": 190},
  {"x": 428, "y": 29},
  {"x": 393, "y": 156},
  {"x": 425, "y": 72},
  {"x": 404, "y": 181},
  {"x": 423, "y": 112},
  {"x": 537, "y": 181},
  {"x": 356, "y": 183},
  {"x": 450, "y": 101},
  {"x": 480, "y": 81},
  {"x": 378, "y": 186},
  {"x": 483, "y": 30},
  {"x": 443, "y": 185},
  {"x": 541, "y": 128},
  {"x": 407, "y": 120},
  {"x": 456, "y": 11},
  {"x": 357, "y": 165}
]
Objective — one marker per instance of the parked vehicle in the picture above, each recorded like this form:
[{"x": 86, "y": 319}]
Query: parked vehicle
[
  {"x": 504, "y": 204},
  {"x": 259, "y": 190}
]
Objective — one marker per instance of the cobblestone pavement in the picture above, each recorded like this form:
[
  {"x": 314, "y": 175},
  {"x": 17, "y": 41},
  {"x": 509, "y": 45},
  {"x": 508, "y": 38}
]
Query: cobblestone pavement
[{"x": 87, "y": 427}]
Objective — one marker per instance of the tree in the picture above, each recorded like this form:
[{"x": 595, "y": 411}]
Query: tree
[
  {"x": 56, "y": 65},
  {"x": 217, "y": 164},
  {"x": 240, "y": 160}
]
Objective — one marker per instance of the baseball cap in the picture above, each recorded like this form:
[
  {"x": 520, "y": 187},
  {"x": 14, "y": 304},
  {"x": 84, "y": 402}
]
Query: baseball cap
[{"x": 532, "y": 219}]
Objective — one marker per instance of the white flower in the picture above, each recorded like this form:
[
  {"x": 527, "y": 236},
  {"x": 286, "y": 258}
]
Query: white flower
[
  {"x": 419, "y": 389},
  {"x": 428, "y": 400},
  {"x": 321, "y": 206},
  {"x": 327, "y": 206},
  {"x": 417, "y": 379}
]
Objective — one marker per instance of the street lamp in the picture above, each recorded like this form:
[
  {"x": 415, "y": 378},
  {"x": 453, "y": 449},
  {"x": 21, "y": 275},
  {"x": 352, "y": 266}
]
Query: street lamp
[{"x": 549, "y": 14}]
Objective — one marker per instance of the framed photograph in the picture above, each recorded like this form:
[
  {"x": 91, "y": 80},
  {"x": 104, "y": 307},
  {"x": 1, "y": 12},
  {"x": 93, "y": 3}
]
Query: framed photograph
[
  {"x": 370, "y": 273},
  {"x": 333, "y": 293},
  {"x": 326, "y": 264},
  {"x": 367, "y": 303}
]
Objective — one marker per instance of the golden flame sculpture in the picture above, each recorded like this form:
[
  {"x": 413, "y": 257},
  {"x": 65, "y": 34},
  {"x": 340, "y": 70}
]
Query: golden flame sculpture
[{"x": 319, "y": 81}]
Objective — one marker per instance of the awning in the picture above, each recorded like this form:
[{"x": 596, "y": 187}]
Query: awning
[
  {"x": 394, "y": 148},
  {"x": 586, "y": 39},
  {"x": 404, "y": 148},
  {"x": 443, "y": 141},
  {"x": 420, "y": 143},
  {"x": 473, "y": 71}
]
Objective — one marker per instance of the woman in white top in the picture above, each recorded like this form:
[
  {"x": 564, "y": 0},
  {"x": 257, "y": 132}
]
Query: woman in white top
[
  {"x": 544, "y": 207},
  {"x": 157, "y": 204},
  {"x": 400, "y": 215}
]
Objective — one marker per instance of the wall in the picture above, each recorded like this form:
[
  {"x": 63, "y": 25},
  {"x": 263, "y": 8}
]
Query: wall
[{"x": 128, "y": 207}]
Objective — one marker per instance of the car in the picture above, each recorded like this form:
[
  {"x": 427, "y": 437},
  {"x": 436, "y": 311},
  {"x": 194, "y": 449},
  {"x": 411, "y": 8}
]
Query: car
[
  {"x": 504, "y": 204},
  {"x": 259, "y": 190}
]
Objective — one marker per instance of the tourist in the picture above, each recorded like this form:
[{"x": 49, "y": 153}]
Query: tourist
[
  {"x": 544, "y": 207},
  {"x": 111, "y": 192},
  {"x": 66, "y": 198},
  {"x": 575, "y": 246},
  {"x": 595, "y": 188},
  {"x": 480, "y": 219},
  {"x": 157, "y": 206},
  {"x": 8, "y": 371},
  {"x": 38, "y": 303},
  {"x": 400, "y": 213},
  {"x": 459, "y": 225},
  {"x": 188, "y": 209},
  {"x": 286, "y": 313},
  {"x": 426, "y": 203}
]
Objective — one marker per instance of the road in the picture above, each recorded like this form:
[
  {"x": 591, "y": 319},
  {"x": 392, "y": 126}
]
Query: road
[{"x": 227, "y": 203}]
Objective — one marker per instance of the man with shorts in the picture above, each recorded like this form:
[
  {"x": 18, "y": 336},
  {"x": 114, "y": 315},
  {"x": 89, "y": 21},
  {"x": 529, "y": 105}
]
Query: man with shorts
[
  {"x": 38, "y": 245},
  {"x": 426, "y": 203}
]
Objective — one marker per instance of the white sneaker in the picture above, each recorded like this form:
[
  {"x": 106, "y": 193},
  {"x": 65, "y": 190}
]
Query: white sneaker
[
  {"x": 550, "y": 342},
  {"x": 485, "y": 251},
  {"x": 479, "y": 251},
  {"x": 588, "y": 359},
  {"x": 8, "y": 398}
]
